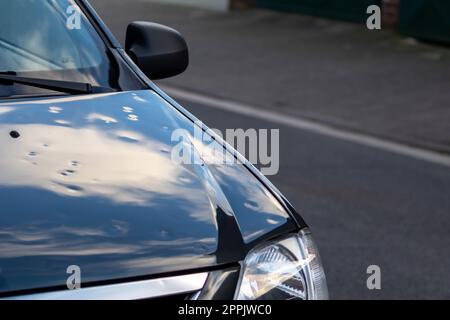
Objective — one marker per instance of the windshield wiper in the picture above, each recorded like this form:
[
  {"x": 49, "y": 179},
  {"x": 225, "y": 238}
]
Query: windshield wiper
[{"x": 9, "y": 78}]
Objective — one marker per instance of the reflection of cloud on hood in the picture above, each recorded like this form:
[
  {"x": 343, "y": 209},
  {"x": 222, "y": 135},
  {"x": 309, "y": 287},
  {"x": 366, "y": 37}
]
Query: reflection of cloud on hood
[
  {"x": 92, "y": 117},
  {"x": 74, "y": 241},
  {"x": 68, "y": 248},
  {"x": 36, "y": 234},
  {"x": 88, "y": 162},
  {"x": 63, "y": 240},
  {"x": 4, "y": 110},
  {"x": 144, "y": 264},
  {"x": 177, "y": 243},
  {"x": 259, "y": 199}
]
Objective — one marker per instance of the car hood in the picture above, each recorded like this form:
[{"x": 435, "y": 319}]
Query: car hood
[{"x": 91, "y": 181}]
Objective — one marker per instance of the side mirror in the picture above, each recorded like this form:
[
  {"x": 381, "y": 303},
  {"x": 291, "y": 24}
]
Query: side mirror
[{"x": 159, "y": 51}]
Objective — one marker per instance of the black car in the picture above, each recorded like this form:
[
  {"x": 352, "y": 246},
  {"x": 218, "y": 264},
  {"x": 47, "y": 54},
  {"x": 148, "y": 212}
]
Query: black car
[{"x": 93, "y": 205}]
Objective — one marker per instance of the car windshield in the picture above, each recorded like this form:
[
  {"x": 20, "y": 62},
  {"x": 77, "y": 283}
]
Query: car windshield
[{"x": 52, "y": 39}]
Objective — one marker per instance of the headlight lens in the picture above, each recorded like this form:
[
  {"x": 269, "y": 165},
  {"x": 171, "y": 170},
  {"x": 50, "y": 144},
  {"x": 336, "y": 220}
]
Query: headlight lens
[{"x": 284, "y": 270}]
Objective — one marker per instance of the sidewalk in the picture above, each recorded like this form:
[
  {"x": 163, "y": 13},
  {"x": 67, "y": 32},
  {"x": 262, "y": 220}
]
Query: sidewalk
[{"x": 338, "y": 73}]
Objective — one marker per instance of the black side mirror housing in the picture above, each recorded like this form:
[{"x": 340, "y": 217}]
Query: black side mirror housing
[{"x": 161, "y": 52}]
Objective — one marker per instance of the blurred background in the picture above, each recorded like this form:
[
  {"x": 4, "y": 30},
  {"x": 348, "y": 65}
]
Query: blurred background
[{"x": 316, "y": 61}]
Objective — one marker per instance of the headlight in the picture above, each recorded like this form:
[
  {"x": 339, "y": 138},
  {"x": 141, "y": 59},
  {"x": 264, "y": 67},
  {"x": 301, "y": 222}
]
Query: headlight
[{"x": 284, "y": 270}]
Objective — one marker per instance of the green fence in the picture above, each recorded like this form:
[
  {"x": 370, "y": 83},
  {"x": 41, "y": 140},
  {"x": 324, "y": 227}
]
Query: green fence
[
  {"x": 426, "y": 19},
  {"x": 349, "y": 10}
]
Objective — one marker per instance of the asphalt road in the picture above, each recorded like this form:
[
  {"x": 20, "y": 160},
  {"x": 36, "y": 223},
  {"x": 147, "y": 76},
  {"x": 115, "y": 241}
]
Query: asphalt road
[{"x": 365, "y": 206}]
